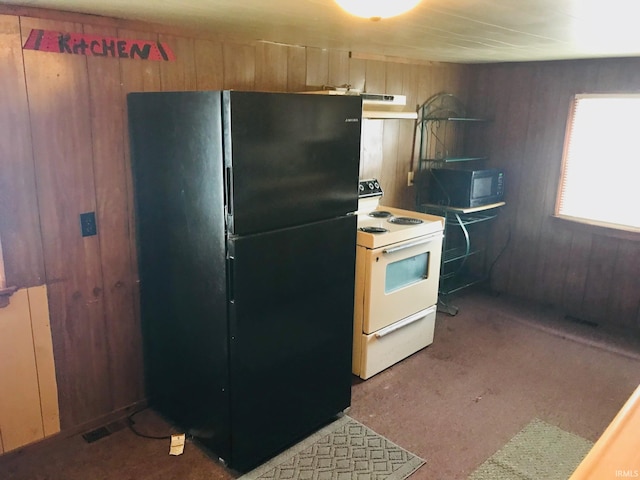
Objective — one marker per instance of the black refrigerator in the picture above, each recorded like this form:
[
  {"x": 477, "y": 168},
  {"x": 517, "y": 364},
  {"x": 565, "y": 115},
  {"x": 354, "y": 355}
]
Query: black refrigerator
[{"x": 246, "y": 256}]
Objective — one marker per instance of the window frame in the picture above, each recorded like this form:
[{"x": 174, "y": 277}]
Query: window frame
[{"x": 608, "y": 228}]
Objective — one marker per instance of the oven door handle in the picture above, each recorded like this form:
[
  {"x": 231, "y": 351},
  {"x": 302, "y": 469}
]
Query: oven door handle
[
  {"x": 399, "y": 248},
  {"x": 383, "y": 332}
]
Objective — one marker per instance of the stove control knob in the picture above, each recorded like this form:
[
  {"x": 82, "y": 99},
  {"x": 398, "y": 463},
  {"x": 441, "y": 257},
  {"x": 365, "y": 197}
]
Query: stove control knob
[
  {"x": 361, "y": 187},
  {"x": 370, "y": 186},
  {"x": 377, "y": 185}
]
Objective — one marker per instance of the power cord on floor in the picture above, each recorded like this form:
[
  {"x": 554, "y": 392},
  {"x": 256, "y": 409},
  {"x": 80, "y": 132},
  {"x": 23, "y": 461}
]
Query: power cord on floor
[
  {"x": 495, "y": 260},
  {"x": 131, "y": 423}
]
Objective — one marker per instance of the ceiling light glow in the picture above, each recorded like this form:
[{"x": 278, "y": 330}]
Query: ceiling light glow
[{"x": 377, "y": 9}]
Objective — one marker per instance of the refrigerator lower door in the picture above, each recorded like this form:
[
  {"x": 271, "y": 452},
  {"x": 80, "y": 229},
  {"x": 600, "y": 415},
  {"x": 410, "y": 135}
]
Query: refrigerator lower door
[{"x": 291, "y": 313}]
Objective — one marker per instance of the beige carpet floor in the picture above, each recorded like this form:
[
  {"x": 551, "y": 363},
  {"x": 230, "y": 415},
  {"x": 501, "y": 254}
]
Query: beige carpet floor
[{"x": 492, "y": 368}]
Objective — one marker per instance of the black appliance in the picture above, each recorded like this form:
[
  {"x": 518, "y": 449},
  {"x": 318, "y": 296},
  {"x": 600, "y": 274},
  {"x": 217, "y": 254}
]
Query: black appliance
[
  {"x": 246, "y": 243},
  {"x": 464, "y": 188}
]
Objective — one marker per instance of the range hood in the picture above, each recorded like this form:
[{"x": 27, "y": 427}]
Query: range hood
[
  {"x": 376, "y": 105},
  {"x": 382, "y": 105}
]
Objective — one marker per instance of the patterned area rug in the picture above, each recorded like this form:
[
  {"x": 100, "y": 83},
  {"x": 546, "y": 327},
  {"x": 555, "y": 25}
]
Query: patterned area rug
[
  {"x": 343, "y": 450},
  {"x": 539, "y": 451}
]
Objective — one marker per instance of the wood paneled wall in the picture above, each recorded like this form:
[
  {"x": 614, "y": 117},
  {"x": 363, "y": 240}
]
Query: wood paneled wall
[
  {"x": 64, "y": 145},
  {"x": 29, "y": 401},
  {"x": 588, "y": 272}
]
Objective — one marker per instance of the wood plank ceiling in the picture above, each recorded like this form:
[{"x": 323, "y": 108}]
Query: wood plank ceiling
[{"x": 461, "y": 31}]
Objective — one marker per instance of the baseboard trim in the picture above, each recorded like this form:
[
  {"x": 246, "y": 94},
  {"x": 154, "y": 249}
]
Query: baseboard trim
[{"x": 76, "y": 430}]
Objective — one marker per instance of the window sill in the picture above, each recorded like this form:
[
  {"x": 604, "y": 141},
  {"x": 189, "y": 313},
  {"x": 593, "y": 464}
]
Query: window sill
[{"x": 599, "y": 228}]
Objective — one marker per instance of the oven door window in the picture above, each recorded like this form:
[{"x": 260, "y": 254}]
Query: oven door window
[
  {"x": 399, "y": 280},
  {"x": 406, "y": 271}
]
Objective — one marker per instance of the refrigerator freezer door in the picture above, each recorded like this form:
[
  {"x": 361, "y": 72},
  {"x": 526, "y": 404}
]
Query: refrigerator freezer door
[
  {"x": 291, "y": 335},
  {"x": 292, "y": 159}
]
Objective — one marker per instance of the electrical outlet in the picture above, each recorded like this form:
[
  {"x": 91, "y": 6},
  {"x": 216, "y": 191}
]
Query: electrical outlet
[
  {"x": 410, "y": 179},
  {"x": 88, "y": 224}
]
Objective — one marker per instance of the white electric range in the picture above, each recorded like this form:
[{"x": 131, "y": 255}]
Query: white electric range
[{"x": 397, "y": 273}]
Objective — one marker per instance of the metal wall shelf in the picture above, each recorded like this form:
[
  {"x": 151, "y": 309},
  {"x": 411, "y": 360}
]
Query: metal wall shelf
[
  {"x": 471, "y": 218},
  {"x": 442, "y": 122},
  {"x": 454, "y": 284},
  {"x": 432, "y": 118},
  {"x": 458, "y": 247},
  {"x": 451, "y": 159},
  {"x": 442, "y": 132},
  {"x": 457, "y": 253}
]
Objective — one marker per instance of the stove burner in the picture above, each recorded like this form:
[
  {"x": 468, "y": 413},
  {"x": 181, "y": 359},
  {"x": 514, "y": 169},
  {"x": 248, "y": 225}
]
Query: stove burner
[
  {"x": 373, "y": 229},
  {"x": 380, "y": 214},
  {"x": 405, "y": 220}
]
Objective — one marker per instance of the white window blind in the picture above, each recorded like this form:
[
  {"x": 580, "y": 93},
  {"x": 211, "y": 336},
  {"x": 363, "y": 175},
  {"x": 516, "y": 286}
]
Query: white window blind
[{"x": 601, "y": 167}]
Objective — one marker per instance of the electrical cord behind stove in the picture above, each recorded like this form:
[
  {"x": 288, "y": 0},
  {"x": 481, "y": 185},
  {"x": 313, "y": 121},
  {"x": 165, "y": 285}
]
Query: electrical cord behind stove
[{"x": 502, "y": 250}]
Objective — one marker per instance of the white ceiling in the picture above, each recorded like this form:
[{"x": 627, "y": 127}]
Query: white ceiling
[{"x": 464, "y": 31}]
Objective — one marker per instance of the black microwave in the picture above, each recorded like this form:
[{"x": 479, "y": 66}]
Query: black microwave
[{"x": 465, "y": 188}]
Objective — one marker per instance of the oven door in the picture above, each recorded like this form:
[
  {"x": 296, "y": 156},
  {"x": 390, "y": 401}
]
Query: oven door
[{"x": 400, "y": 280}]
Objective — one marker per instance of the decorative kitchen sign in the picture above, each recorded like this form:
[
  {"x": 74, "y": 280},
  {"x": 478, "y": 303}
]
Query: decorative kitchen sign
[{"x": 97, "y": 46}]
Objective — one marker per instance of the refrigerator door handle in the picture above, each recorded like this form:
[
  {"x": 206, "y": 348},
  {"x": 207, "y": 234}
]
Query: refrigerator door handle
[
  {"x": 227, "y": 191},
  {"x": 230, "y": 279},
  {"x": 228, "y": 198}
]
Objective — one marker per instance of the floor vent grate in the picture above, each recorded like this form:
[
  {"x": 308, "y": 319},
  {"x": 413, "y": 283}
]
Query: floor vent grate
[
  {"x": 96, "y": 434},
  {"x": 589, "y": 323}
]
